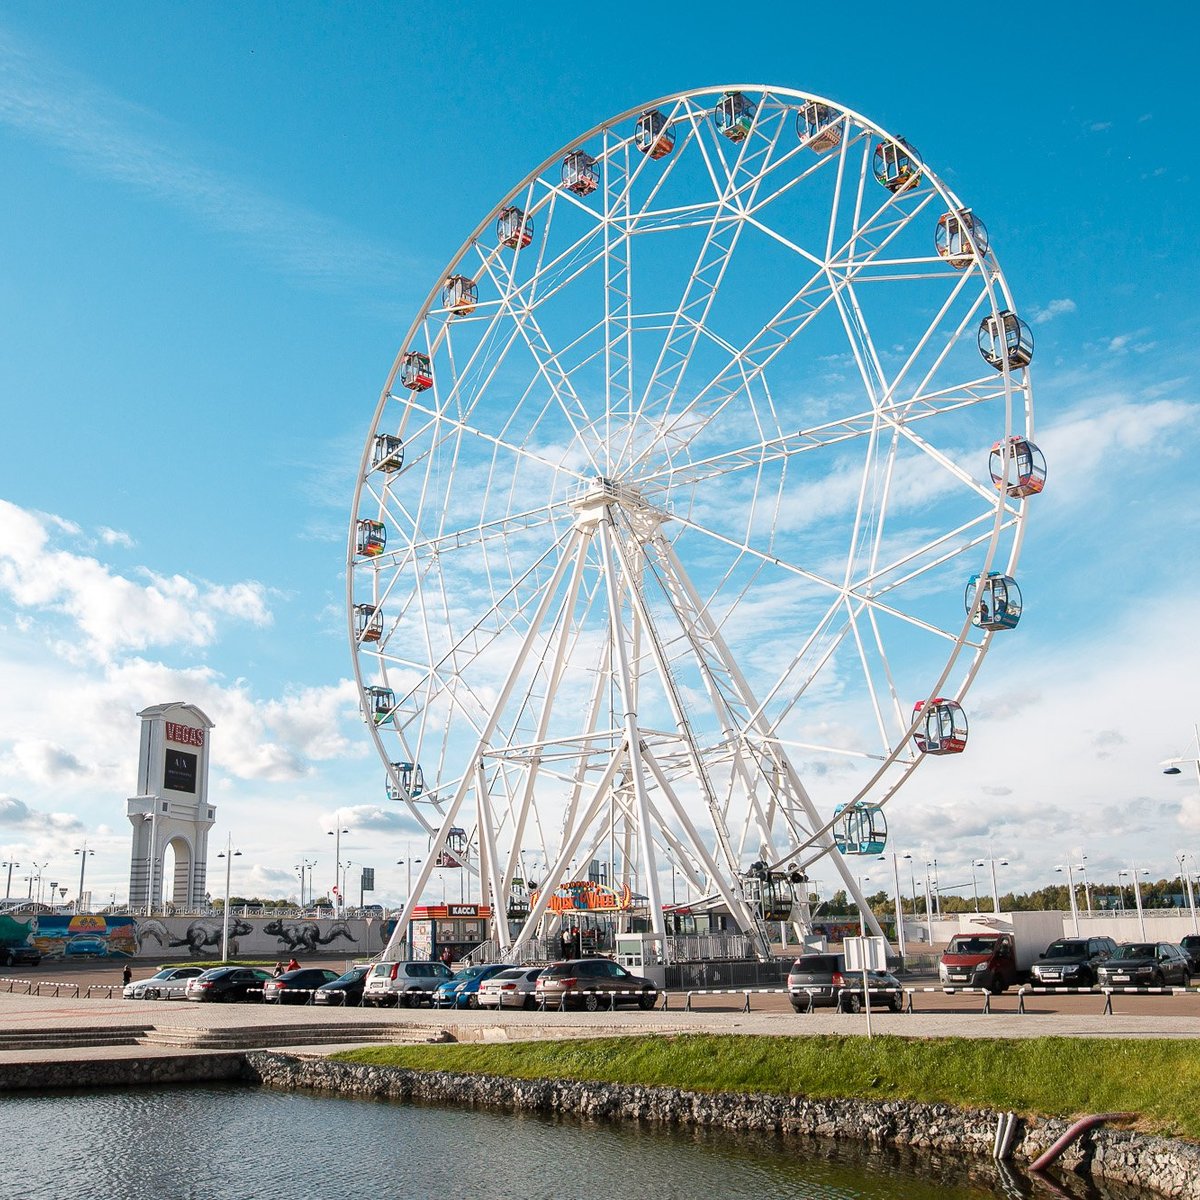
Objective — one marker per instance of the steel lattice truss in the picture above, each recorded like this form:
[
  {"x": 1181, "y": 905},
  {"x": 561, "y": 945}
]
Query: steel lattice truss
[{"x": 683, "y": 522}]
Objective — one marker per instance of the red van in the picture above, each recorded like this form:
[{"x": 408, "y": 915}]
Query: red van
[{"x": 981, "y": 960}]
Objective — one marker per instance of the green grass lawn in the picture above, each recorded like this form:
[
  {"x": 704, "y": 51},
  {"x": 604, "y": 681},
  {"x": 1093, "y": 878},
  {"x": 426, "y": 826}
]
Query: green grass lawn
[{"x": 1157, "y": 1078}]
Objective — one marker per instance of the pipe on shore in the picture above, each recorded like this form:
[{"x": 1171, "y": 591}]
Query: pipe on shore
[{"x": 1049, "y": 1157}]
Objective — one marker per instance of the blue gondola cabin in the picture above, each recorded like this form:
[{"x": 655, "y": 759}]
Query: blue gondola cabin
[
  {"x": 1017, "y": 467},
  {"x": 994, "y": 602},
  {"x": 408, "y": 782},
  {"x": 942, "y": 727},
  {"x": 861, "y": 829},
  {"x": 381, "y": 702}
]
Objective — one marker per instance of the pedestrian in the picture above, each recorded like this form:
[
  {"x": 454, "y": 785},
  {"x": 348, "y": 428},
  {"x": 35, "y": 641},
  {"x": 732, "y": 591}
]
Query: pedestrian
[
  {"x": 127, "y": 975},
  {"x": 447, "y": 956},
  {"x": 279, "y": 969},
  {"x": 293, "y": 965}
]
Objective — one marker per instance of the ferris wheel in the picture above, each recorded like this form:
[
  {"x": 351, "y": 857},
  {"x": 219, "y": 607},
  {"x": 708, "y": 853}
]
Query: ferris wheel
[{"x": 670, "y": 502}]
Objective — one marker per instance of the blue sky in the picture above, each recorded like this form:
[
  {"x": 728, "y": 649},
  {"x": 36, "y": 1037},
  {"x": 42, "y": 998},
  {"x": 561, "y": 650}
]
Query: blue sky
[{"x": 219, "y": 223}]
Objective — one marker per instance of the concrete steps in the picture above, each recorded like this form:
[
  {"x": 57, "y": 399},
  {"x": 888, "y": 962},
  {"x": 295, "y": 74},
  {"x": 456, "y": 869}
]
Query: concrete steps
[
  {"x": 251, "y": 1037},
  {"x": 71, "y": 1039}
]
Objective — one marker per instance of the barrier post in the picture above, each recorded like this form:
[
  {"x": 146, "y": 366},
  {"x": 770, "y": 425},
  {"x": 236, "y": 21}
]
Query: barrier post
[
  {"x": 1108, "y": 1012},
  {"x": 688, "y": 1006},
  {"x": 746, "y": 1006},
  {"x": 1020, "y": 1000}
]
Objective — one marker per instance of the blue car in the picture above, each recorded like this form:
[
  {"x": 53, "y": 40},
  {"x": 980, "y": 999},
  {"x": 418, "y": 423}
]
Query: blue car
[{"x": 461, "y": 990}]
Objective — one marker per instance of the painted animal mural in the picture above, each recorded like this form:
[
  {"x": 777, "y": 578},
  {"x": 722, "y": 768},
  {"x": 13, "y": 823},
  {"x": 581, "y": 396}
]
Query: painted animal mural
[
  {"x": 201, "y": 935},
  {"x": 303, "y": 937},
  {"x": 147, "y": 928}
]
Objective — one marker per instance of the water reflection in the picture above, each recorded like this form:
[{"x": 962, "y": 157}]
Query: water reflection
[{"x": 231, "y": 1143}]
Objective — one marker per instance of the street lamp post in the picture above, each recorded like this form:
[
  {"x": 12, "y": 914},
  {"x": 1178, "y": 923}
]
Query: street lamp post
[
  {"x": 37, "y": 878},
  {"x": 336, "y": 834},
  {"x": 1087, "y": 892},
  {"x": 228, "y": 854},
  {"x": 992, "y": 862},
  {"x": 1137, "y": 896},
  {"x": 83, "y": 853},
  {"x": 1186, "y": 878},
  {"x": 303, "y": 868},
  {"x": 1071, "y": 894},
  {"x": 8, "y": 885},
  {"x": 862, "y": 910},
  {"x": 975, "y": 885},
  {"x": 900, "y": 946}
]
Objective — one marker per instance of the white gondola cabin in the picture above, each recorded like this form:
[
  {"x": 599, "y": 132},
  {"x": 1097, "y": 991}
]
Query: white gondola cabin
[
  {"x": 388, "y": 454},
  {"x": 405, "y": 781},
  {"x": 960, "y": 238},
  {"x": 819, "y": 126},
  {"x": 1018, "y": 467},
  {"x": 896, "y": 165},
  {"x": 370, "y": 539},
  {"x": 653, "y": 134},
  {"x": 942, "y": 728},
  {"x": 1005, "y": 338},
  {"x": 994, "y": 602},
  {"x": 734, "y": 116},
  {"x": 513, "y": 228},
  {"x": 579, "y": 173},
  {"x": 460, "y": 295},
  {"x": 416, "y": 372},
  {"x": 368, "y": 622},
  {"x": 769, "y": 893},
  {"x": 454, "y": 853},
  {"x": 861, "y": 828},
  {"x": 381, "y": 703}
]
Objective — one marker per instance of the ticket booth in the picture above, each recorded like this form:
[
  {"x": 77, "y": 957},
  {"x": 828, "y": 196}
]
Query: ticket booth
[{"x": 457, "y": 927}]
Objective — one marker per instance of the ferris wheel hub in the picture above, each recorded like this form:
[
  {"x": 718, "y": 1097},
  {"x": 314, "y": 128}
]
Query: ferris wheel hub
[{"x": 598, "y": 496}]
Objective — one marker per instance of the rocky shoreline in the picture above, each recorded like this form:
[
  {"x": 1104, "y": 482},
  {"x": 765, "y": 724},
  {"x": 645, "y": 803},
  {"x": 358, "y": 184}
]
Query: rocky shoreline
[{"x": 1169, "y": 1167}]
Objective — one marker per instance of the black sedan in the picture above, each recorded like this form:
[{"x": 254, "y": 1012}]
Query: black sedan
[
  {"x": 345, "y": 990},
  {"x": 1145, "y": 964},
  {"x": 296, "y": 987},
  {"x": 228, "y": 984}
]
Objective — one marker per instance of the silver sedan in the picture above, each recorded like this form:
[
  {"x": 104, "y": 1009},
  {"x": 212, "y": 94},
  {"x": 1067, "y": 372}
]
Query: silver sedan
[
  {"x": 168, "y": 984},
  {"x": 510, "y": 988}
]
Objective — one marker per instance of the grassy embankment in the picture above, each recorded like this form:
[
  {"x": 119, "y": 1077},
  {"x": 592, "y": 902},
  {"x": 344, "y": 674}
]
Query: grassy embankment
[{"x": 1156, "y": 1078}]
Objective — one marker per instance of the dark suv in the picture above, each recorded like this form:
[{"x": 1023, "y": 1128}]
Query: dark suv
[
  {"x": 1072, "y": 962},
  {"x": 11, "y": 955},
  {"x": 1190, "y": 945},
  {"x": 593, "y": 983},
  {"x": 821, "y": 980}
]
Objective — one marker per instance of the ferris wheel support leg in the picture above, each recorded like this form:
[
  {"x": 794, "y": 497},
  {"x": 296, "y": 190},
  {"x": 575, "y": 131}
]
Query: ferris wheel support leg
[
  {"x": 577, "y": 544},
  {"x": 488, "y": 867},
  {"x": 632, "y": 733}
]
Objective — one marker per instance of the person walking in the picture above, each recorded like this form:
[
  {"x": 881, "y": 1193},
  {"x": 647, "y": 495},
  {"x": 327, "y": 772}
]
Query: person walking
[{"x": 127, "y": 975}]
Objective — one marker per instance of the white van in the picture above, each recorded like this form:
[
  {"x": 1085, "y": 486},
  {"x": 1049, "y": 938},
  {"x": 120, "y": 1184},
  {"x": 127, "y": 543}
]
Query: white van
[{"x": 405, "y": 983}]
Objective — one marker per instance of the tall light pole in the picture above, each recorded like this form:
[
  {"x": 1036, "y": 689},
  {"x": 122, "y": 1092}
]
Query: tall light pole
[
  {"x": 1087, "y": 892},
  {"x": 937, "y": 891},
  {"x": 39, "y": 868},
  {"x": 305, "y": 866},
  {"x": 992, "y": 863},
  {"x": 228, "y": 854},
  {"x": 900, "y": 947},
  {"x": 1071, "y": 894},
  {"x": 342, "y": 894},
  {"x": 1186, "y": 878},
  {"x": 975, "y": 885},
  {"x": 8, "y": 885},
  {"x": 83, "y": 853},
  {"x": 1137, "y": 896},
  {"x": 862, "y": 913},
  {"x": 336, "y": 834}
]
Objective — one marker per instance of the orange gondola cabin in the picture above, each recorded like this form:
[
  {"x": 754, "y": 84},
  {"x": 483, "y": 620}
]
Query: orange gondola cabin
[
  {"x": 368, "y": 622},
  {"x": 653, "y": 134},
  {"x": 460, "y": 295}
]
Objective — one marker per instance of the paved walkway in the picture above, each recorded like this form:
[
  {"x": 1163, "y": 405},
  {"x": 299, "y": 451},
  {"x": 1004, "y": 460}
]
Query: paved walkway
[{"x": 28, "y": 1013}]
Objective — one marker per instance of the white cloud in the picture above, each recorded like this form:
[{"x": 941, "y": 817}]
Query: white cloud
[
  {"x": 115, "y": 537},
  {"x": 1056, "y": 308},
  {"x": 111, "y": 612}
]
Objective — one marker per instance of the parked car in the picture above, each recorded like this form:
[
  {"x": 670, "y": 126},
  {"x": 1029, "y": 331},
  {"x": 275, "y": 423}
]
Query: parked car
[
  {"x": 982, "y": 960},
  {"x": 404, "y": 983},
  {"x": 168, "y": 984},
  {"x": 1146, "y": 964},
  {"x": 822, "y": 981},
  {"x": 12, "y": 955},
  {"x": 591, "y": 984},
  {"x": 461, "y": 990},
  {"x": 1072, "y": 962},
  {"x": 1190, "y": 945},
  {"x": 227, "y": 984},
  {"x": 345, "y": 990},
  {"x": 514, "y": 987},
  {"x": 296, "y": 987}
]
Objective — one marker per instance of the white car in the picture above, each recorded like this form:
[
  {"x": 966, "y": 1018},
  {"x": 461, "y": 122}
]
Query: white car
[
  {"x": 510, "y": 988},
  {"x": 168, "y": 984},
  {"x": 403, "y": 983}
]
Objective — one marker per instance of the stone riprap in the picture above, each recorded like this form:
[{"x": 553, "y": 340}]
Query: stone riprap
[{"x": 1169, "y": 1167}]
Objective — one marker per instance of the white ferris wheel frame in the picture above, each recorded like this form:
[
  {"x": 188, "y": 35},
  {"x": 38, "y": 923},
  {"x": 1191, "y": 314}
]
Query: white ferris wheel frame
[{"x": 645, "y": 764}]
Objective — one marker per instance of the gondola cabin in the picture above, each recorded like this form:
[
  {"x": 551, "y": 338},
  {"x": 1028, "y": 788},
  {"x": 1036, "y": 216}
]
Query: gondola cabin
[
  {"x": 579, "y": 173},
  {"x": 819, "y": 126},
  {"x": 942, "y": 728},
  {"x": 368, "y": 622},
  {"x": 734, "y": 116},
  {"x": 370, "y": 538},
  {"x": 896, "y": 165},
  {"x": 994, "y": 601},
  {"x": 381, "y": 702},
  {"x": 1005, "y": 339},
  {"x": 459, "y": 296},
  {"x": 653, "y": 135},
  {"x": 416, "y": 372},
  {"x": 860, "y": 829},
  {"x": 405, "y": 781},
  {"x": 513, "y": 228},
  {"x": 454, "y": 852},
  {"x": 960, "y": 237},
  {"x": 1018, "y": 467},
  {"x": 388, "y": 454},
  {"x": 769, "y": 895}
]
